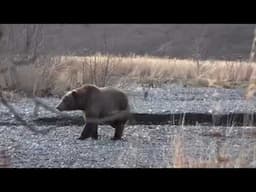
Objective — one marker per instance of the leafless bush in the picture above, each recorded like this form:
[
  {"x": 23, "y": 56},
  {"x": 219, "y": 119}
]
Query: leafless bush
[
  {"x": 45, "y": 81},
  {"x": 20, "y": 44},
  {"x": 253, "y": 49},
  {"x": 97, "y": 71},
  {"x": 199, "y": 51}
]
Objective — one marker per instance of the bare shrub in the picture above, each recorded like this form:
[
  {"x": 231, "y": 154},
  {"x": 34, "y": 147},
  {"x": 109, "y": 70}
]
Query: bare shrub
[
  {"x": 253, "y": 48},
  {"x": 96, "y": 70},
  {"x": 21, "y": 43},
  {"x": 45, "y": 81}
]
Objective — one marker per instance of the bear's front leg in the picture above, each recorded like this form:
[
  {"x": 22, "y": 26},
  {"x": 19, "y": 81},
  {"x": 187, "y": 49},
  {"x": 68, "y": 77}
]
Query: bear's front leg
[
  {"x": 86, "y": 133},
  {"x": 90, "y": 130}
]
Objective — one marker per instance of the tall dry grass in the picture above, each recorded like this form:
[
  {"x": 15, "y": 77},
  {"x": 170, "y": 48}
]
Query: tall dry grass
[
  {"x": 221, "y": 158},
  {"x": 146, "y": 68},
  {"x": 4, "y": 159},
  {"x": 58, "y": 74}
]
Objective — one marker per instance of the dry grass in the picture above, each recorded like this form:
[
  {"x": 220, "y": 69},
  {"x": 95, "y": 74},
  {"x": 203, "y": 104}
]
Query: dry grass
[
  {"x": 146, "y": 68},
  {"x": 251, "y": 90},
  {"x": 221, "y": 160},
  {"x": 35, "y": 79},
  {"x": 59, "y": 74},
  {"x": 4, "y": 159}
]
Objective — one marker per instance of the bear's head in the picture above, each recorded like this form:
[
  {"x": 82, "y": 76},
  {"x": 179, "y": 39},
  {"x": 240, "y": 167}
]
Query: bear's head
[
  {"x": 77, "y": 99},
  {"x": 68, "y": 102}
]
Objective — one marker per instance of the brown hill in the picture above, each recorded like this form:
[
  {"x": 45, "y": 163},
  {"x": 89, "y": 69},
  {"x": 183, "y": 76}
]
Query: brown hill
[{"x": 208, "y": 41}]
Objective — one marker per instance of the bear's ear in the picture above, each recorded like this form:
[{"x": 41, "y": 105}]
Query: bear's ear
[{"x": 74, "y": 94}]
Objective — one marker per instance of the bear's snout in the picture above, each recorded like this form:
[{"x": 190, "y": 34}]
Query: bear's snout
[{"x": 58, "y": 107}]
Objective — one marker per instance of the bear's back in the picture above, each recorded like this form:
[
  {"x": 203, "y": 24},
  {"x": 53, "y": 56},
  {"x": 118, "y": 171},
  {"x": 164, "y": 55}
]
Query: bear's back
[{"x": 114, "y": 98}]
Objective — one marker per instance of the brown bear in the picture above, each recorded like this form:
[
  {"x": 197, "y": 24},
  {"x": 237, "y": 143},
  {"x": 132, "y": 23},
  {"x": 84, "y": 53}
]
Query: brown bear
[{"x": 98, "y": 103}]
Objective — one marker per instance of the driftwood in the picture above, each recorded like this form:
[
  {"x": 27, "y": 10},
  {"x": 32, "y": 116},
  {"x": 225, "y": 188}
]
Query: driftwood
[
  {"x": 234, "y": 119},
  {"x": 62, "y": 119},
  {"x": 18, "y": 117}
]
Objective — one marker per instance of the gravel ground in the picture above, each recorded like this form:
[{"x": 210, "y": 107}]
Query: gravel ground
[{"x": 143, "y": 146}]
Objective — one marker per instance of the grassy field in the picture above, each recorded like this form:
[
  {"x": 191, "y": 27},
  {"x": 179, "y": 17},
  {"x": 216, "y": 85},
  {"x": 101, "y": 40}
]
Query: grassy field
[{"x": 55, "y": 75}]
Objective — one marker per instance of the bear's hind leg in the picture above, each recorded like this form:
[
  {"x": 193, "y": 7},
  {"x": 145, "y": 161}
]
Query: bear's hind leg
[
  {"x": 119, "y": 128},
  {"x": 94, "y": 134}
]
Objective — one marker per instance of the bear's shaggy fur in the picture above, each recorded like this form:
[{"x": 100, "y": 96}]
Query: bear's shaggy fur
[{"x": 97, "y": 103}]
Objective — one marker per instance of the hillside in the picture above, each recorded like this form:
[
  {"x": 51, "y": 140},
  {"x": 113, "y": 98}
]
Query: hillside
[{"x": 212, "y": 41}]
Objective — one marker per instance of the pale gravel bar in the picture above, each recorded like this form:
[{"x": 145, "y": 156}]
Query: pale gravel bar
[{"x": 143, "y": 146}]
